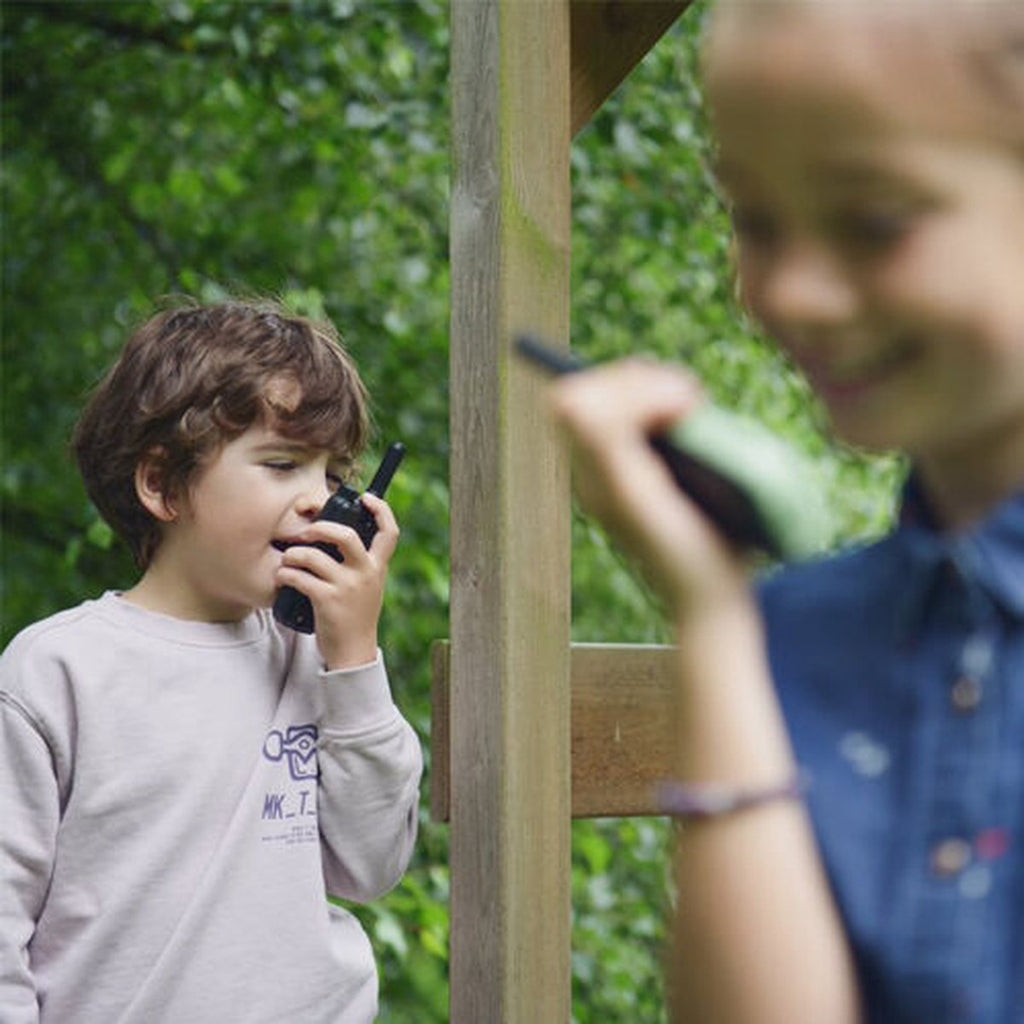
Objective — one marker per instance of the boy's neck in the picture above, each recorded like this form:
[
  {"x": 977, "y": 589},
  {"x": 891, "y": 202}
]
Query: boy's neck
[{"x": 161, "y": 592}]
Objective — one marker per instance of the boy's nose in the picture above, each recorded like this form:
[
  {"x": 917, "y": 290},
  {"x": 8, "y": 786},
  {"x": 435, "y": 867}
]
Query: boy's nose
[
  {"x": 312, "y": 499},
  {"x": 805, "y": 286}
]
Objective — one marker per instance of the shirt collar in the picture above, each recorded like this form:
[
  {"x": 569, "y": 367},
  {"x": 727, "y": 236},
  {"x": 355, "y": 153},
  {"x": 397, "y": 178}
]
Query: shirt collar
[{"x": 987, "y": 556}]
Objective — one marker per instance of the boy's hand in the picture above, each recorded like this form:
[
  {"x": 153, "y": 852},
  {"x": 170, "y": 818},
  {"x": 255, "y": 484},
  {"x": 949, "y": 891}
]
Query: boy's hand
[
  {"x": 609, "y": 412},
  {"x": 346, "y": 596}
]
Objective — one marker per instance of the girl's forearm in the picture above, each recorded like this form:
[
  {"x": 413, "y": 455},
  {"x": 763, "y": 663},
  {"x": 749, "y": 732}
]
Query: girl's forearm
[{"x": 757, "y": 936}]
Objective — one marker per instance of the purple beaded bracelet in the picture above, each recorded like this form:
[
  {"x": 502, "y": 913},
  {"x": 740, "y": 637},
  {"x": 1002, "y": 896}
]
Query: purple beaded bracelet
[{"x": 711, "y": 800}]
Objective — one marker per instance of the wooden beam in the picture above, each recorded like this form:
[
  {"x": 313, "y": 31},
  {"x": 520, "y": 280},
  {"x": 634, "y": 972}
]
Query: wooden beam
[
  {"x": 510, "y": 850},
  {"x": 621, "y": 728},
  {"x": 609, "y": 38}
]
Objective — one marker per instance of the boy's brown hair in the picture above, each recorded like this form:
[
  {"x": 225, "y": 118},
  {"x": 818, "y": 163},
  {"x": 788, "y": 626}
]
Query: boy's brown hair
[{"x": 194, "y": 377}]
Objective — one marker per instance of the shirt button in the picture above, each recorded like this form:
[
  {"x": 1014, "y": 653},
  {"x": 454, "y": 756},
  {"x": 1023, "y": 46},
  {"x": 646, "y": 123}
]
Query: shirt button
[
  {"x": 992, "y": 843},
  {"x": 950, "y": 856},
  {"x": 966, "y": 694}
]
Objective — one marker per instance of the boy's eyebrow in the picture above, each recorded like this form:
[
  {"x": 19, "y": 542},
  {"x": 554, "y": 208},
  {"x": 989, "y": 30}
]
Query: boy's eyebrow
[
  {"x": 286, "y": 446},
  {"x": 283, "y": 444}
]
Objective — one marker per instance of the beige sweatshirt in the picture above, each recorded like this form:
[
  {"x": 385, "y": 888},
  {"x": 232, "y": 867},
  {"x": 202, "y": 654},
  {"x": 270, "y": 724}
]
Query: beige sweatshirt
[{"x": 177, "y": 799}]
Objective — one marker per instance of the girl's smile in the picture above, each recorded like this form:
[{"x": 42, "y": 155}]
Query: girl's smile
[{"x": 879, "y": 237}]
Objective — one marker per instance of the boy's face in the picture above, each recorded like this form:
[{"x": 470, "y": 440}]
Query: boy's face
[
  {"x": 253, "y": 497},
  {"x": 880, "y": 232}
]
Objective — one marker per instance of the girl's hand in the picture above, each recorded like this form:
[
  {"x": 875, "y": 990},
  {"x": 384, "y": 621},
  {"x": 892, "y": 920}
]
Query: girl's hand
[
  {"x": 347, "y": 596},
  {"x": 609, "y": 413}
]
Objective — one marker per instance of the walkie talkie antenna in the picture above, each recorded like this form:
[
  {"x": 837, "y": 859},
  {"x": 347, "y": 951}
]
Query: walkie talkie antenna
[
  {"x": 555, "y": 360},
  {"x": 391, "y": 461}
]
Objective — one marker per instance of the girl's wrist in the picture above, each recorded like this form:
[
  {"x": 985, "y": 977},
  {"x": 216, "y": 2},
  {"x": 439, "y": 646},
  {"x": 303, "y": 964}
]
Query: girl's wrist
[
  {"x": 719, "y": 614},
  {"x": 728, "y": 722}
]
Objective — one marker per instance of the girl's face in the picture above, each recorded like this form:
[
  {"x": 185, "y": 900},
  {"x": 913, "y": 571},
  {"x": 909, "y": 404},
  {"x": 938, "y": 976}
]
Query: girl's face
[{"x": 879, "y": 230}]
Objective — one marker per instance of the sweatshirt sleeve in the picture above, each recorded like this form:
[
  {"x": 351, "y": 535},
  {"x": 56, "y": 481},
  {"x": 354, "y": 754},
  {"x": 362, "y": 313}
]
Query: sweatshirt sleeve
[
  {"x": 368, "y": 795},
  {"x": 29, "y": 815}
]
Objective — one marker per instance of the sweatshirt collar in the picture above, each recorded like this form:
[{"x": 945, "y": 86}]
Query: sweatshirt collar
[{"x": 182, "y": 631}]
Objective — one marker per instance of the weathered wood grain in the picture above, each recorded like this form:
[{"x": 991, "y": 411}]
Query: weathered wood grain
[
  {"x": 509, "y": 728},
  {"x": 621, "y": 710},
  {"x": 609, "y": 38}
]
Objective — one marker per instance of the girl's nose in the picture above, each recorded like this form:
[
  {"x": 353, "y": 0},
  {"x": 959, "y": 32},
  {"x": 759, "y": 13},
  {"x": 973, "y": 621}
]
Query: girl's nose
[{"x": 802, "y": 285}]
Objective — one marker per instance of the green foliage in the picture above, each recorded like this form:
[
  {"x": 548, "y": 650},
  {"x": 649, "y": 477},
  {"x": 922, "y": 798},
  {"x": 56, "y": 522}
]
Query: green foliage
[
  {"x": 301, "y": 148},
  {"x": 620, "y": 911},
  {"x": 294, "y": 148}
]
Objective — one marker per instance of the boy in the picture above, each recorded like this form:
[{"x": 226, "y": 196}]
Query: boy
[
  {"x": 184, "y": 780},
  {"x": 872, "y": 156}
]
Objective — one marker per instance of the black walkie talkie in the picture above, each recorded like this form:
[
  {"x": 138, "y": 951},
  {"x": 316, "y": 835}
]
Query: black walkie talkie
[
  {"x": 291, "y": 607},
  {"x": 761, "y": 493}
]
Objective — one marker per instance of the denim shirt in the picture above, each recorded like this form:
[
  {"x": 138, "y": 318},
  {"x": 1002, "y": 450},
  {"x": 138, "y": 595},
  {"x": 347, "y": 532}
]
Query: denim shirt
[{"x": 900, "y": 669}]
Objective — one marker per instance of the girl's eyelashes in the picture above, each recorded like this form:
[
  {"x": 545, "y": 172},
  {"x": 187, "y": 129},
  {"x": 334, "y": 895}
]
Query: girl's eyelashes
[
  {"x": 871, "y": 229},
  {"x": 755, "y": 227},
  {"x": 280, "y": 465},
  {"x": 334, "y": 480},
  {"x": 858, "y": 228}
]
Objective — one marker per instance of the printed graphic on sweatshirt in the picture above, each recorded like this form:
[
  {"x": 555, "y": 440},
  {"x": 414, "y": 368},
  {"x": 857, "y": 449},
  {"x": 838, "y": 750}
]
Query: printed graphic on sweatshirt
[
  {"x": 297, "y": 746},
  {"x": 289, "y": 810}
]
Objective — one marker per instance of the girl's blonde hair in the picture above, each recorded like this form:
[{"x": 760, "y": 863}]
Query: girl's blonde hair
[{"x": 976, "y": 46}]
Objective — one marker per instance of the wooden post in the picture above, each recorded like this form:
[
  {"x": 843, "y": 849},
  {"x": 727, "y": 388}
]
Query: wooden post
[
  {"x": 609, "y": 38},
  {"x": 621, "y": 701},
  {"x": 509, "y": 728},
  {"x": 526, "y": 76}
]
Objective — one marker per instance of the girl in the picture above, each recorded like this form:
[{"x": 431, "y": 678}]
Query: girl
[{"x": 872, "y": 155}]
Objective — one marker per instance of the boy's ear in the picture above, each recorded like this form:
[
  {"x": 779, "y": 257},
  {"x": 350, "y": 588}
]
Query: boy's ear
[{"x": 150, "y": 486}]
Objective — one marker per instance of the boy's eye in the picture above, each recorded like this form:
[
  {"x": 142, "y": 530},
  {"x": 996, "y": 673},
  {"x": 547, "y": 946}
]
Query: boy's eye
[
  {"x": 334, "y": 481},
  {"x": 280, "y": 465}
]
